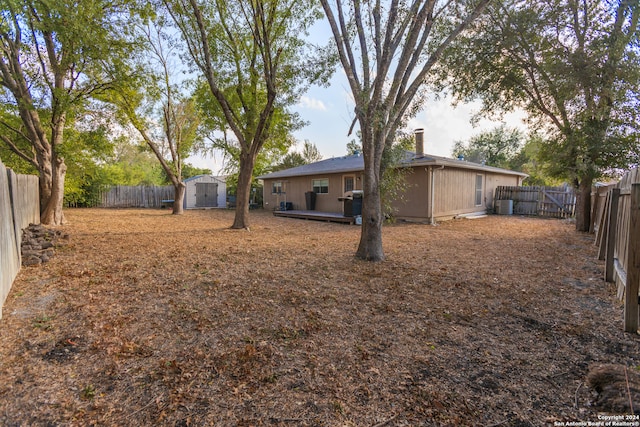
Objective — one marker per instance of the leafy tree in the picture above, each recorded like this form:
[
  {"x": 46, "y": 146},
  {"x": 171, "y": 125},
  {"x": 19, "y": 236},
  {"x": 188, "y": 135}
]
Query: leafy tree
[
  {"x": 250, "y": 55},
  {"x": 495, "y": 147},
  {"x": 353, "y": 147},
  {"x": 504, "y": 148},
  {"x": 387, "y": 52},
  {"x": 530, "y": 160},
  {"x": 188, "y": 170},
  {"x": 573, "y": 66},
  {"x": 52, "y": 60},
  {"x": 90, "y": 149},
  {"x": 393, "y": 184},
  {"x": 310, "y": 154},
  {"x": 132, "y": 164},
  {"x": 153, "y": 104},
  {"x": 290, "y": 160}
]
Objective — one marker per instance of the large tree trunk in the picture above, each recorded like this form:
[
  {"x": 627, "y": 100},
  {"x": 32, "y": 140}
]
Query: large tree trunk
[
  {"x": 178, "y": 198},
  {"x": 243, "y": 191},
  {"x": 370, "y": 247},
  {"x": 583, "y": 204},
  {"x": 51, "y": 203}
]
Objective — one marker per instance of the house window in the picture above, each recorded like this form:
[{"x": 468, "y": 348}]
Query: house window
[
  {"x": 321, "y": 186},
  {"x": 349, "y": 183},
  {"x": 277, "y": 188},
  {"x": 479, "y": 179}
]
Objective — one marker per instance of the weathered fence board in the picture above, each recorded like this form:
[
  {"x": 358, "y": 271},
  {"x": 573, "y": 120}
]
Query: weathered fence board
[
  {"x": 633, "y": 264},
  {"x": 620, "y": 239},
  {"x": 124, "y": 196},
  {"x": 19, "y": 206},
  {"x": 554, "y": 202}
]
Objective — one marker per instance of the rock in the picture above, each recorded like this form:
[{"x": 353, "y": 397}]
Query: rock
[
  {"x": 39, "y": 243},
  {"x": 32, "y": 260}
]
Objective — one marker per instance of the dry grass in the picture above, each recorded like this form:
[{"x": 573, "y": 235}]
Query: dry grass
[{"x": 150, "y": 319}]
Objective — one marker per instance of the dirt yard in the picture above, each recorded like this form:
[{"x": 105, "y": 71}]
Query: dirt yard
[{"x": 149, "y": 319}]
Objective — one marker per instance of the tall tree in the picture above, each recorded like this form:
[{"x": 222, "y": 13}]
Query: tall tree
[
  {"x": 249, "y": 53},
  {"x": 387, "y": 50},
  {"x": 495, "y": 147},
  {"x": 154, "y": 104},
  {"x": 573, "y": 66},
  {"x": 51, "y": 58},
  {"x": 310, "y": 154}
]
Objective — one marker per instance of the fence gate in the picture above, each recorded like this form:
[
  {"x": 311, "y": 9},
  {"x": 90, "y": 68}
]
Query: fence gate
[{"x": 553, "y": 202}]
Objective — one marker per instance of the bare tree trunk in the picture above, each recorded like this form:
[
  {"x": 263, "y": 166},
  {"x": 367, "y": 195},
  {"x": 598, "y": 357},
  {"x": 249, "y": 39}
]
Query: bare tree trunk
[
  {"x": 370, "y": 246},
  {"x": 243, "y": 191},
  {"x": 583, "y": 204},
  {"x": 178, "y": 198},
  {"x": 51, "y": 205}
]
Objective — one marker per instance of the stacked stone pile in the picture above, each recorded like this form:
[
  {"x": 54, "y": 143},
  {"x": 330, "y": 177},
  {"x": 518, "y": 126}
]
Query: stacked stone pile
[{"x": 38, "y": 244}]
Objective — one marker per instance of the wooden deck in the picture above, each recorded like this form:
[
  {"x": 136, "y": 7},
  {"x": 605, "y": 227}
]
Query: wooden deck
[{"x": 315, "y": 215}]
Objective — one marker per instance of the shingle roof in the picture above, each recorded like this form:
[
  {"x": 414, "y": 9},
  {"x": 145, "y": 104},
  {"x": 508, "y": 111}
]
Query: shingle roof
[
  {"x": 333, "y": 165},
  {"x": 355, "y": 163}
]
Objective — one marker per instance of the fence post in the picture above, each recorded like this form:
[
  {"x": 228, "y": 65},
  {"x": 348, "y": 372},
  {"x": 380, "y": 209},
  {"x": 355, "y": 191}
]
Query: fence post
[
  {"x": 611, "y": 234},
  {"x": 633, "y": 264}
]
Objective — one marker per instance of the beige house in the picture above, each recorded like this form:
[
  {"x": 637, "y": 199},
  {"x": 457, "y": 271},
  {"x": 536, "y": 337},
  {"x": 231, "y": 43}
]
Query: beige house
[{"x": 437, "y": 188}]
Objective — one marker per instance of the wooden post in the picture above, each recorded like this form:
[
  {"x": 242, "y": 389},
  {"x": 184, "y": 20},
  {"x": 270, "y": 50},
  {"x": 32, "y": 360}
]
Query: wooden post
[
  {"x": 611, "y": 235},
  {"x": 603, "y": 227},
  {"x": 633, "y": 264}
]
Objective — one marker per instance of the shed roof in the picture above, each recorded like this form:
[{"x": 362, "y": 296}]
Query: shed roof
[
  {"x": 355, "y": 163},
  {"x": 193, "y": 178}
]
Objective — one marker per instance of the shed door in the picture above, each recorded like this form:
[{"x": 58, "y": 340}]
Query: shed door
[{"x": 206, "y": 195}]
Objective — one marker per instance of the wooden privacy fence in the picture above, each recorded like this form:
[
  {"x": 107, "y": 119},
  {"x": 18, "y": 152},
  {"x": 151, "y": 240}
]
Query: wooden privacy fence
[
  {"x": 554, "y": 202},
  {"x": 141, "y": 196},
  {"x": 19, "y": 206},
  {"x": 618, "y": 238}
]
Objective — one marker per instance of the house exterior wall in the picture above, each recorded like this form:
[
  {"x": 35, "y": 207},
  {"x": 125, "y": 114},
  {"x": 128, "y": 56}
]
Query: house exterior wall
[
  {"x": 455, "y": 192},
  {"x": 190, "y": 192},
  {"x": 294, "y": 189},
  {"x": 496, "y": 180},
  {"x": 414, "y": 201}
]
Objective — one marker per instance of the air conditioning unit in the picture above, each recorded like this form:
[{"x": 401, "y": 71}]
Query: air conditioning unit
[{"x": 504, "y": 207}]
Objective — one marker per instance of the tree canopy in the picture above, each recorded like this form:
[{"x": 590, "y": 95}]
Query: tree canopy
[
  {"x": 495, "y": 147},
  {"x": 573, "y": 66},
  {"x": 251, "y": 56},
  {"x": 387, "y": 52},
  {"x": 53, "y": 58}
]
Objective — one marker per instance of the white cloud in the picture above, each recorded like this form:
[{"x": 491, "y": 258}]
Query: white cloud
[{"x": 312, "y": 104}]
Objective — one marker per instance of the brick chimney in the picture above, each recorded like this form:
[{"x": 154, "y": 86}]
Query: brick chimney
[{"x": 419, "y": 135}]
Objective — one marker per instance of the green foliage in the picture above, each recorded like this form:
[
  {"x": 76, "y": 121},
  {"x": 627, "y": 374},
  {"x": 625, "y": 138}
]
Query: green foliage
[
  {"x": 495, "y": 147},
  {"x": 188, "y": 170},
  {"x": 55, "y": 57},
  {"x": 353, "y": 147},
  {"x": 253, "y": 60},
  {"x": 310, "y": 154},
  {"x": 503, "y": 147},
  {"x": 393, "y": 184},
  {"x": 133, "y": 164},
  {"x": 573, "y": 66}
]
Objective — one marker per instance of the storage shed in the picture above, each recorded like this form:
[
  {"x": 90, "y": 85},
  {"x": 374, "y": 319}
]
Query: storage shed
[{"x": 205, "y": 191}]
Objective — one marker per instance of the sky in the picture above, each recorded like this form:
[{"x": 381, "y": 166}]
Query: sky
[{"x": 329, "y": 113}]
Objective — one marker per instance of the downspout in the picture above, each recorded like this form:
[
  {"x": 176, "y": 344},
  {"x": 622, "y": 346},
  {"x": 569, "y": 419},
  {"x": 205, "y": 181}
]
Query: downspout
[{"x": 433, "y": 190}]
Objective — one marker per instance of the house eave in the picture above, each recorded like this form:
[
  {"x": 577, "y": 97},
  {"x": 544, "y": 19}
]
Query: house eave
[{"x": 461, "y": 164}]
